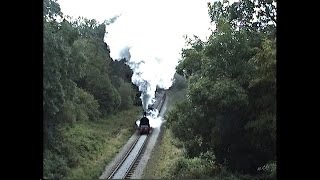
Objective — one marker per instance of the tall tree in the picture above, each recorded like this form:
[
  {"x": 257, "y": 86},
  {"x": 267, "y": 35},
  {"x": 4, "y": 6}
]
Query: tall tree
[{"x": 230, "y": 107}]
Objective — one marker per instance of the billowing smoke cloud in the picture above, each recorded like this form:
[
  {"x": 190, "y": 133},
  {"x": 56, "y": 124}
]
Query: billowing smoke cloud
[
  {"x": 147, "y": 76},
  {"x": 150, "y": 36}
]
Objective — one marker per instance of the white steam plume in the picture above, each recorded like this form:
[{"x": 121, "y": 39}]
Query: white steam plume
[
  {"x": 154, "y": 119},
  {"x": 149, "y": 35}
]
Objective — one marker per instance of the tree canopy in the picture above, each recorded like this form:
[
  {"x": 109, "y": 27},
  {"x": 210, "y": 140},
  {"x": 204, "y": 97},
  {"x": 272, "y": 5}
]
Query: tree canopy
[
  {"x": 80, "y": 80},
  {"x": 231, "y": 97}
]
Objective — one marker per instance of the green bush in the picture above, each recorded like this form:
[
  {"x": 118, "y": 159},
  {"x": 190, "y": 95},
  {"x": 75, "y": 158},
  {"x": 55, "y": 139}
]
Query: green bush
[
  {"x": 194, "y": 168},
  {"x": 54, "y": 166},
  {"x": 269, "y": 170},
  {"x": 87, "y": 107},
  {"x": 127, "y": 95}
]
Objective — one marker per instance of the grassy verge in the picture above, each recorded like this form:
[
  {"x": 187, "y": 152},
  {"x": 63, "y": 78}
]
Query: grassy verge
[
  {"x": 170, "y": 162},
  {"x": 83, "y": 150},
  {"x": 163, "y": 159}
]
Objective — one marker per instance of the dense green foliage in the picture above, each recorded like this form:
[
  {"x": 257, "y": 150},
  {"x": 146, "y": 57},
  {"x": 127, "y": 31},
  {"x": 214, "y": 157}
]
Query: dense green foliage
[
  {"x": 83, "y": 150},
  {"x": 81, "y": 84},
  {"x": 230, "y": 109}
]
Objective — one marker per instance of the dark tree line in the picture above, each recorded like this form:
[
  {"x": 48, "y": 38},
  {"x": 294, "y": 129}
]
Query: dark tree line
[
  {"x": 80, "y": 80},
  {"x": 231, "y": 97}
]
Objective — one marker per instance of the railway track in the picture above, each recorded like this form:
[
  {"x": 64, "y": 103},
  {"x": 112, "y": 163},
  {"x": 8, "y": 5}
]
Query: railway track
[
  {"x": 125, "y": 168},
  {"x": 137, "y": 161}
]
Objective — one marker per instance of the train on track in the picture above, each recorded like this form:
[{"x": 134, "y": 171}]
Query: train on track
[{"x": 153, "y": 111}]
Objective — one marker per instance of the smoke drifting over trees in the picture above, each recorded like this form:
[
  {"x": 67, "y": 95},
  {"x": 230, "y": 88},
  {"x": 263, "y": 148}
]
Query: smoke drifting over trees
[{"x": 151, "y": 40}]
